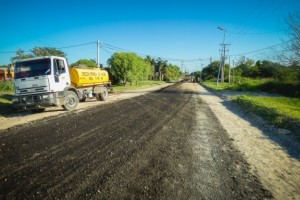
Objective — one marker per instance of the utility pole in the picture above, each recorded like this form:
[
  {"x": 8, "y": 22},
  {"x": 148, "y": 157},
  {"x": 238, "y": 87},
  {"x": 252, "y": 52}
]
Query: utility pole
[
  {"x": 233, "y": 71},
  {"x": 229, "y": 70},
  {"x": 223, "y": 60},
  {"x": 98, "y": 53},
  {"x": 223, "y": 57},
  {"x": 182, "y": 66}
]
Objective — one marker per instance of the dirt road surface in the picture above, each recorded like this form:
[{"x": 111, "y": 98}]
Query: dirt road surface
[{"x": 175, "y": 143}]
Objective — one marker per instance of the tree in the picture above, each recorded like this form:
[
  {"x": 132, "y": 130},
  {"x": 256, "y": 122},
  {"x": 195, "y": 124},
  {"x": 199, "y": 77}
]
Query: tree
[
  {"x": 291, "y": 52},
  {"x": 211, "y": 71},
  {"x": 47, "y": 51},
  {"x": 129, "y": 67},
  {"x": 37, "y": 51},
  {"x": 171, "y": 72},
  {"x": 268, "y": 69},
  {"x": 85, "y": 62},
  {"x": 20, "y": 54},
  {"x": 160, "y": 64},
  {"x": 147, "y": 69},
  {"x": 152, "y": 63},
  {"x": 246, "y": 66}
]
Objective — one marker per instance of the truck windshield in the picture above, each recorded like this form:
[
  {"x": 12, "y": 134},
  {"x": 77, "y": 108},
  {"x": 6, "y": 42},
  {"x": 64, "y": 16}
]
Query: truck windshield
[{"x": 33, "y": 68}]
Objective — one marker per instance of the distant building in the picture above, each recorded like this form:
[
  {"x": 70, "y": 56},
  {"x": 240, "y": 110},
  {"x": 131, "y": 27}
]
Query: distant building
[{"x": 7, "y": 73}]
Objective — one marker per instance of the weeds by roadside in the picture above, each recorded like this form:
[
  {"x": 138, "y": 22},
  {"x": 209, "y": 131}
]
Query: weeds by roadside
[
  {"x": 282, "y": 112},
  {"x": 289, "y": 89},
  {"x": 7, "y": 86}
]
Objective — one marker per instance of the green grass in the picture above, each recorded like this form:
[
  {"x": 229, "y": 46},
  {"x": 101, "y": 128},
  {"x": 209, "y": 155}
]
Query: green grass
[
  {"x": 140, "y": 85},
  {"x": 282, "y": 112},
  {"x": 246, "y": 85},
  {"x": 289, "y": 89},
  {"x": 7, "y": 86},
  {"x": 219, "y": 87}
]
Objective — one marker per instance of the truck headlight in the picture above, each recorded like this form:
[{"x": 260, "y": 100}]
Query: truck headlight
[{"x": 15, "y": 100}]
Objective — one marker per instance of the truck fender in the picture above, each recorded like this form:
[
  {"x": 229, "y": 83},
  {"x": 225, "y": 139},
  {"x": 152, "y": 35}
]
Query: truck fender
[{"x": 70, "y": 88}]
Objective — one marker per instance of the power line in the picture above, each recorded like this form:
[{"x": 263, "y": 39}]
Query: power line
[
  {"x": 273, "y": 7},
  {"x": 77, "y": 45},
  {"x": 107, "y": 51},
  {"x": 269, "y": 47},
  {"x": 257, "y": 33},
  {"x": 114, "y": 48},
  {"x": 249, "y": 14},
  {"x": 66, "y": 47}
]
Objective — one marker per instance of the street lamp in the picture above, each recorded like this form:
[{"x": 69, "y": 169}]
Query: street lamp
[{"x": 222, "y": 64}]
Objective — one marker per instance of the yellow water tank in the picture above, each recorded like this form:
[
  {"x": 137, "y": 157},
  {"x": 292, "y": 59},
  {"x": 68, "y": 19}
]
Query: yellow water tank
[{"x": 84, "y": 77}]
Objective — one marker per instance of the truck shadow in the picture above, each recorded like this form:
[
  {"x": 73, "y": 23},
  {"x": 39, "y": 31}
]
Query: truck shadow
[{"x": 6, "y": 105}]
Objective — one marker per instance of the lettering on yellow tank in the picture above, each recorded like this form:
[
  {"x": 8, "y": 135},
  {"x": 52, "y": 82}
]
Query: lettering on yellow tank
[{"x": 85, "y": 73}]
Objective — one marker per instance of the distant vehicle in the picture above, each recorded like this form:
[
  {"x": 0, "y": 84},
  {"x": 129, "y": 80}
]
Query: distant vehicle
[
  {"x": 188, "y": 78},
  {"x": 48, "y": 81}
]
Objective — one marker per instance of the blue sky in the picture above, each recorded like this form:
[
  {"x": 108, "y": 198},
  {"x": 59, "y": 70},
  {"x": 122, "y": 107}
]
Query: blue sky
[{"x": 174, "y": 30}]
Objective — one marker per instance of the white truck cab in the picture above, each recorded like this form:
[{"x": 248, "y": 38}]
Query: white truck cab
[{"x": 41, "y": 82}]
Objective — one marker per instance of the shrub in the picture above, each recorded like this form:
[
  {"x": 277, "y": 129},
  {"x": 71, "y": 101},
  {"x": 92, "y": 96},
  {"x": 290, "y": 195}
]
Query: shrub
[{"x": 7, "y": 86}]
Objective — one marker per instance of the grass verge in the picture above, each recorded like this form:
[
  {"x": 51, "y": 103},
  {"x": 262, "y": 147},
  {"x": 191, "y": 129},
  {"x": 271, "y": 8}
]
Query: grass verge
[
  {"x": 289, "y": 89},
  {"x": 283, "y": 112}
]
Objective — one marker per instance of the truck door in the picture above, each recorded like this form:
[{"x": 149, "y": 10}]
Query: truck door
[{"x": 61, "y": 77}]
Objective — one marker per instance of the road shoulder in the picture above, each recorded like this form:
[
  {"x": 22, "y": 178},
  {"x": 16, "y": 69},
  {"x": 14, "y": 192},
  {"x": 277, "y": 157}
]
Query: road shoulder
[{"x": 276, "y": 167}]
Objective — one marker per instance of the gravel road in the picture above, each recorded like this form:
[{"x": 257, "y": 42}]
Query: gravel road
[{"x": 162, "y": 145}]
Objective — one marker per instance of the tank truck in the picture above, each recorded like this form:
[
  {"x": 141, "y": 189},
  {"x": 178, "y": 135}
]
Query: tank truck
[{"x": 48, "y": 81}]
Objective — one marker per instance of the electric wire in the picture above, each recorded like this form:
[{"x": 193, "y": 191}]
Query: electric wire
[
  {"x": 263, "y": 49},
  {"x": 273, "y": 7},
  {"x": 246, "y": 18}
]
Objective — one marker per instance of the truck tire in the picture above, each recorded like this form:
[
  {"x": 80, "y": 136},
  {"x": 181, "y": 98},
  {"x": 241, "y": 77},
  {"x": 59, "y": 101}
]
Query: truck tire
[
  {"x": 71, "y": 101},
  {"x": 104, "y": 94}
]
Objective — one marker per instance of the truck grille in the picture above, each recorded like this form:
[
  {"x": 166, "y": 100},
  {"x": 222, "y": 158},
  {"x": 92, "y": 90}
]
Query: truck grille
[{"x": 33, "y": 90}]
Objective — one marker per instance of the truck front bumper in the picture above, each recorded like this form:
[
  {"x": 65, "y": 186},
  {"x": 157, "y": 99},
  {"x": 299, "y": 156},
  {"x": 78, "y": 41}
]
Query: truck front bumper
[{"x": 36, "y": 101}]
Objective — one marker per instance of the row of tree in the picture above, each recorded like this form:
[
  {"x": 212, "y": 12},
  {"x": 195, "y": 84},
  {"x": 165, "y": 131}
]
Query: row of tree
[
  {"x": 131, "y": 68},
  {"x": 288, "y": 68},
  {"x": 37, "y": 51},
  {"x": 251, "y": 69},
  {"x": 124, "y": 67}
]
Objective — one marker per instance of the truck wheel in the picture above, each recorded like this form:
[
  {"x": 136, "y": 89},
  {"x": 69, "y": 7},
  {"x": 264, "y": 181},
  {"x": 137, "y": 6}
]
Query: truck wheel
[
  {"x": 98, "y": 96},
  {"x": 104, "y": 94},
  {"x": 71, "y": 101}
]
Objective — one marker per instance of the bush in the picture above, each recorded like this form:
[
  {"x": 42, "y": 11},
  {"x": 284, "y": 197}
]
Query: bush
[
  {"x": 290, "y": 89},
  {"x": 285, "y": 88},
  {"x": 7, "y": 86}
]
